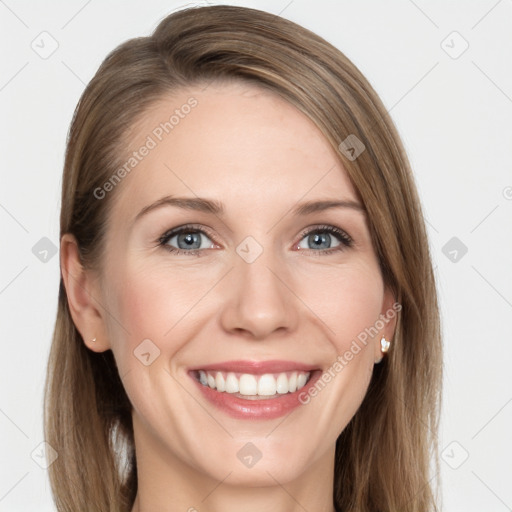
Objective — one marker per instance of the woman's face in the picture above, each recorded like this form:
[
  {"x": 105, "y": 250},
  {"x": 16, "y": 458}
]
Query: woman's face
[{"x": 269, "y": 276}]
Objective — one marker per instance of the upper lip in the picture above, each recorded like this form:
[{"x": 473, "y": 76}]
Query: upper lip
[{"x": 257, "y": 367}]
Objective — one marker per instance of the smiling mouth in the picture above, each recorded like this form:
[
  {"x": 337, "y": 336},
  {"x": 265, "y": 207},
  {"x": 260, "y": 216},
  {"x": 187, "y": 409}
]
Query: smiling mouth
[{"x": 251, "y": 386}]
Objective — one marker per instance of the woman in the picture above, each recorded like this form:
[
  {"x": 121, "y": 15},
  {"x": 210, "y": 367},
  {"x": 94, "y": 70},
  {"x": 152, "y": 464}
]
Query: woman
[{"x": 247, "y": 312}]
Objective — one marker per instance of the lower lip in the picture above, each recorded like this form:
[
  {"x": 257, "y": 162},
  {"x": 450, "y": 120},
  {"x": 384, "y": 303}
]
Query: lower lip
[{"x": 264, "y": 409}]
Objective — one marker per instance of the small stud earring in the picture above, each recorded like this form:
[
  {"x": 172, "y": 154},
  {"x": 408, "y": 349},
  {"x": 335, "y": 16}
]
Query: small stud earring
[
  {"x": 384, "y": 345},
  {"x": 93, "y": 340}
]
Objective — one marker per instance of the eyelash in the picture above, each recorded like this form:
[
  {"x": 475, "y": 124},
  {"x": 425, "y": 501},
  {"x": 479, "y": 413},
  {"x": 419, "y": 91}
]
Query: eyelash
[{"x": 345, "y": 240}]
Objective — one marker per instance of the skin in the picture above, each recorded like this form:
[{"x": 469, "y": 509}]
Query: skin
[{"x": 260, "y": 157}]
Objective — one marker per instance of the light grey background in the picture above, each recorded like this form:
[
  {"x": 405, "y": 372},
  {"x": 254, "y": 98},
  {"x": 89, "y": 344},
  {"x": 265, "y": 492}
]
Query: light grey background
[{"x": 454, "y": 113}]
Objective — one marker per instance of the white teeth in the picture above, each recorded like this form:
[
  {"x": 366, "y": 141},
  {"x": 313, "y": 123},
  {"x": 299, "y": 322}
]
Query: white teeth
[
  {"x": 232, "y": 383},
  {"x": 292, "y": 382},
  {"x": 247, "y": 384},
  {"x": 282, "y": 384},
  {"x": 301, "y": 380},
  {"x": 220, "y": 383},
  {"x": 267, "y": 385}
]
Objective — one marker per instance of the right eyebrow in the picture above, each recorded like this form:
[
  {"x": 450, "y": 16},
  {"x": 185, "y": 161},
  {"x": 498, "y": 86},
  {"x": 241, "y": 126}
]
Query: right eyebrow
[{"x": 189, "y": 203}]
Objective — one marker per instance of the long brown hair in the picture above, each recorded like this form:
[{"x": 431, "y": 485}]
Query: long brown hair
[{"x": 384, "y": 454}]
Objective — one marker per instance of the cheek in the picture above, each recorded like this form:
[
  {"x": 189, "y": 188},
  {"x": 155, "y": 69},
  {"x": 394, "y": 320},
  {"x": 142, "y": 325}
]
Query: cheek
[
  {"x": 153, "y": 303},
  {"x": 140, "y": 307},
  {"x": 346, "y": 299},
  {"x": 144, "y": 307}
]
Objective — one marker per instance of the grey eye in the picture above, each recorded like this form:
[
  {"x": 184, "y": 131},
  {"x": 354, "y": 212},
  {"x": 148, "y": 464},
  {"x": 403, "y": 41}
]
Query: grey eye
[
  {"x": 319, "y": 240},
  {"x": 190, "y": 240}
]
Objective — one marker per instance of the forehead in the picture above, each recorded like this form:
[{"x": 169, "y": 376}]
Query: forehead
[{"x": 236, "y": 142}]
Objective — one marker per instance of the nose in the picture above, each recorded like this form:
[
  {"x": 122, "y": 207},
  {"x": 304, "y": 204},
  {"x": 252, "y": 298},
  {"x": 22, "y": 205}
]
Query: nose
[{"x": 258, "y": 299}]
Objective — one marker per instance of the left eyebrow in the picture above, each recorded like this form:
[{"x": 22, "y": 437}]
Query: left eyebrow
[{"x": 320, "y": 206}]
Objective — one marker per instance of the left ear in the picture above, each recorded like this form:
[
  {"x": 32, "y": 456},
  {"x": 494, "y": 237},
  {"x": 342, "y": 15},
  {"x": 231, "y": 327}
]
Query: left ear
[{"x": 388, "y": 316}]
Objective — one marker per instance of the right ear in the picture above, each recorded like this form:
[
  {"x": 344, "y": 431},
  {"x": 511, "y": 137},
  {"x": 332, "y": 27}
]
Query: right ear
[{"x": 83, "y": 296}]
